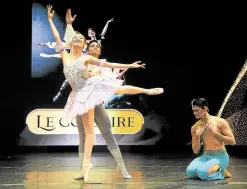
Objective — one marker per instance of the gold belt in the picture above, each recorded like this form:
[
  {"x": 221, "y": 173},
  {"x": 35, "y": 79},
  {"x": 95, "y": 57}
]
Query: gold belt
[{"x": 214, "y": 152}]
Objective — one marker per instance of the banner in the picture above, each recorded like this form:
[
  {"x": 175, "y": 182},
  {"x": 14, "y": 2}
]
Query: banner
[{"x": 49, "y": 121}]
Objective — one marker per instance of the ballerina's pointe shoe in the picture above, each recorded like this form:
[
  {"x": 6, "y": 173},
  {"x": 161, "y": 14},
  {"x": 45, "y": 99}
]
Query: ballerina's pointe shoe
[
  {"x": 155, "y": 91},
  {"x": 84, "y": 171},
  {"x": 86, "y": 167}
]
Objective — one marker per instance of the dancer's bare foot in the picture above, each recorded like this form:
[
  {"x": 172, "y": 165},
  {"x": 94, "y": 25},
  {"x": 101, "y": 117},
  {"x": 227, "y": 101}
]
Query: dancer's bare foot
[
  {"x": 155, "y": 91},
  {"x": 227, "y": 173}
]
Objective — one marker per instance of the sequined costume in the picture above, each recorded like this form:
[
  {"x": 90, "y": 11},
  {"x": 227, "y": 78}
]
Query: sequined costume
[{"x": 86, "y": 94}]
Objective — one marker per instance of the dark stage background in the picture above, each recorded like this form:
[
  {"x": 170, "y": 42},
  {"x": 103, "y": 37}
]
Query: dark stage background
[{"x": 191, "y": 50}]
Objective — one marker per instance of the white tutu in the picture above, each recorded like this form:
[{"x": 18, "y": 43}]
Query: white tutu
[{"x": 86, "y": 94}]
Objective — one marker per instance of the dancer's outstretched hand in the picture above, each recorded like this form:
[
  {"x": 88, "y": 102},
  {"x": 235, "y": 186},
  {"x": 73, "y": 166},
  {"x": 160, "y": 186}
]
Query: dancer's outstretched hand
[
  {"x": 138, "y": 64},
  {"x": 111, "y": 20},
  {"x": 50, "y": 13},
  {"x": 69, "y": 19}
]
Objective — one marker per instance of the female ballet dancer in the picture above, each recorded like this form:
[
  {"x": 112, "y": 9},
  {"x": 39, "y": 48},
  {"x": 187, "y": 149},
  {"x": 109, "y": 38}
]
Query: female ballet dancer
[
  {"x": 69, "y": 33},
  {"x": 88, "y": 93}
]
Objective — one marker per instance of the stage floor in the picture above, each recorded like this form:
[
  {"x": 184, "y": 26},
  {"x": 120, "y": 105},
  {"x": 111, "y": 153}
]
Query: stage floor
[{"x": 44, "y": 170}]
